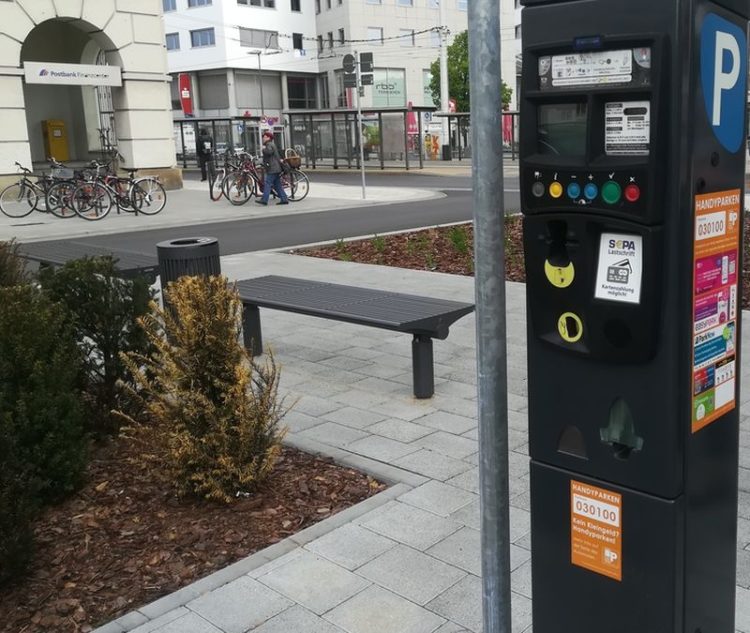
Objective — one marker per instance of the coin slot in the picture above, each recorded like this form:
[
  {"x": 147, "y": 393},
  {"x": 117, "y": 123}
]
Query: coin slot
[{"x": 570, "y": 327}]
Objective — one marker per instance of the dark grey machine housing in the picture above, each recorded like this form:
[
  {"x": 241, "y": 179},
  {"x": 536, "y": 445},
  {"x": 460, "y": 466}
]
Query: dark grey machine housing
[{"x": 678, "y": 487}]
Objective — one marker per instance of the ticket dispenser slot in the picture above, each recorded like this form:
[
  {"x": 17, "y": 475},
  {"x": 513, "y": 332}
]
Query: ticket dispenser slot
[{"x": 632, "y": 161}]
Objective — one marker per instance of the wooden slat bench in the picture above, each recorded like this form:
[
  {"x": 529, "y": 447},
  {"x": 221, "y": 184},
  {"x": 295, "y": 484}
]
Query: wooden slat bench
[
  {"x": 55, "y": 254},
  {"x": 423, "y": 317}
]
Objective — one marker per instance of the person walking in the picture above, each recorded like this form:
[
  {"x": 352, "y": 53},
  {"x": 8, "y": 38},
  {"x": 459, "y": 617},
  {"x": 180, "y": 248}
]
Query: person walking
[
  {"x": 273, "y": 169},
  {"x": 205, "y": 151}
]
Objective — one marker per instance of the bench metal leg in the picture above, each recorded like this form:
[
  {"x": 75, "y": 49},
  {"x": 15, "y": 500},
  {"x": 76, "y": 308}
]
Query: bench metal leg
[
  {"x": 251, "y": 333},
  {"x": 422, "y": 367}
]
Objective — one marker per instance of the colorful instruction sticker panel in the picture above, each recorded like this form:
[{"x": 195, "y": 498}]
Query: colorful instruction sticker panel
[
  {"x": 596, "y": 529},
  {"x": 715, "y": 305}
]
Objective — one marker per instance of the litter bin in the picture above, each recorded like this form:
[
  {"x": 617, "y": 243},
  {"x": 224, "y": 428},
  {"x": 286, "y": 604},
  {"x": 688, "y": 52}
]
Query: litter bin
[
  {"x": 187, "y": 256},
  {"x": 447, "y": 152}
]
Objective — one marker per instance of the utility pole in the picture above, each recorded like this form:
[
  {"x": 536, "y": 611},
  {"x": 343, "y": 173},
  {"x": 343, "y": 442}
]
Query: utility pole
[
  {"x": 262, "y": 107},
  {"x": 444, "y": 93},
  {"x": 492, "y": 371}
]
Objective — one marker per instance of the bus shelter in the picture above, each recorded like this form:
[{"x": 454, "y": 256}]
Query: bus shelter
[
  {"x": 393, "y": 137},
  {"x": 459, "y": 133},
  {"x": 235, "y": 133}
]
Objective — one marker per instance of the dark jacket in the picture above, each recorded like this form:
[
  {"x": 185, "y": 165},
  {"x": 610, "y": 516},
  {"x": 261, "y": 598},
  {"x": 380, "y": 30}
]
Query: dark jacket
[
  {"x": 205, "y": 145},
  {"x": 271, "y": 158}
]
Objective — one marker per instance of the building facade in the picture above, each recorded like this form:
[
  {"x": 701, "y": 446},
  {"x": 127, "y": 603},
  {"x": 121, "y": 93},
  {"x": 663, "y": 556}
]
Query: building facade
[
  {"x": 294, "y": 49},
  {"x": 77, "y": 75}
]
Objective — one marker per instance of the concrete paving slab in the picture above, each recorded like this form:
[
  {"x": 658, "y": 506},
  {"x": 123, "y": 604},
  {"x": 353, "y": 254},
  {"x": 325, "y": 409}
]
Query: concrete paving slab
[
  {"x": 438, "y": 498},
  {"x": 411, "y": 574},
  {"x": 448, "y": 444},
  {"x": 242, "y": 604},
  {"x": 314, "y": 582},
  {"x": 400, "y": 430},
  {"x": 409, "y": 525},
  {"x": 297, "y": 620},
  {"x": 433, "y": 465},
  {"x": 351, "y": 546},
  {"x": 377, "y": 610}
]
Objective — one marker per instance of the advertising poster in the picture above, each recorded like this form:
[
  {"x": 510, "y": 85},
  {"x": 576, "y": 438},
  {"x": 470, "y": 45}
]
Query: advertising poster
[
  {"x": 715, "y": 305},
  {"x": 596, "y": 529}
]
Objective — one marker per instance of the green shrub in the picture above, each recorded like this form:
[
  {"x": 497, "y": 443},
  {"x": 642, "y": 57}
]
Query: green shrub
[
  {"x": 104, "y": 310},
  {"x": 12, "y": 269},
  {"x": 214, "y": 408},
  {"x": 16, "y": 507},
  {"x": 459, "y": 238},
  {"x": 378, "y": 243},
  {"x": 40, "y": 365}
]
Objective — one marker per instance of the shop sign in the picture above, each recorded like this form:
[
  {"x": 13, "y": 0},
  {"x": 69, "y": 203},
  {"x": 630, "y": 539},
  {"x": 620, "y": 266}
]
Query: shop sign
[{"x": 53, "y": 73}]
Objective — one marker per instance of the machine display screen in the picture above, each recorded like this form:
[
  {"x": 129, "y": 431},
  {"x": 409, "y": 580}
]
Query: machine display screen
[{"x": 562, "y": 129}]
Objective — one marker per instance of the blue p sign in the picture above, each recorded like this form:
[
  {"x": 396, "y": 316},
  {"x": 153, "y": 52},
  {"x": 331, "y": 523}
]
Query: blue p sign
[{"x": 724, "y": 79}]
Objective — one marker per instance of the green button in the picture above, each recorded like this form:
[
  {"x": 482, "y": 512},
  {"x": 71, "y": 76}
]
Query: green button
[{"x": 611, "y": 192}]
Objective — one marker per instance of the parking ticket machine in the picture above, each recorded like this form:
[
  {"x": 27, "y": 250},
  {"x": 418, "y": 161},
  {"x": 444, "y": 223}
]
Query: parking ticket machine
[{"x": 633, "y": 129}]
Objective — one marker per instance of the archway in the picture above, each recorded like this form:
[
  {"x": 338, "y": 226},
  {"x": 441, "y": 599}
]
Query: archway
[{"x": 83, "y": 110}]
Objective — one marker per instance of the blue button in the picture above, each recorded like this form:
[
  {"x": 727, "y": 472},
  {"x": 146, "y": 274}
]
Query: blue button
[
  {"x": 591, "y": 191},
  {"x": 574, "y": 190}
]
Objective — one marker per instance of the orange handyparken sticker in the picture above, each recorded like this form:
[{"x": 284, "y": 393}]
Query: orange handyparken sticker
[{"x": 596, "y": 529}]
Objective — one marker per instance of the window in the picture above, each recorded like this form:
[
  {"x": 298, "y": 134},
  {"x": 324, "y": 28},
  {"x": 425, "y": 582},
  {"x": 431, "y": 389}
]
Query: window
[
  {"x": 374, "y": 1},
  {"x": 320, "y": 43},
  {"x": 328, "y": 4},
  {"x": 173, "y": 41},
  {"x": 406, "y": 37},
  {"x": 389, "y": 87},
  {"x": 462, "y": 5},
  {"x": 434, "y": 4},
  {"x": 405, "y": 3},
  {"x": 169, "y": 5},
  {"x": 202, "y": 37},
  {"x": 330, "y": 39},
  {"x": 341, "y": 2},
  {"x": 518, "y": 32},
  {"x": 435, "y": 39},
  {"x": 342, "y": 37},
  {"x": 297, "y": 41},
  {"x": 302, "y": 92},
  {"x": 257, "y": 38},
  {"x": 199, "y": 3},
  {"x": 426, "y": 86},
  {"x": 269, "y": 4},
  {"x": 375, "y": 35},
  {"x": 296, "y": 6},
  {"x": 317, "y": 6}
]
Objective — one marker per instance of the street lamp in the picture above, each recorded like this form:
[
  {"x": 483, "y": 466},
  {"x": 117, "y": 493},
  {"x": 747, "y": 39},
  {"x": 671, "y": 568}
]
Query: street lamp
[{"x": 260, "y": 84}]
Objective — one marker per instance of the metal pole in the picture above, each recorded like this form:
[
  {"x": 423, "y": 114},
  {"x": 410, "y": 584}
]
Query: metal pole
[
  {"x": 262, "y": 107},
  {"x": 489, "y": 215},
  {"x": 359, "y": 128},
  {"x": 406, "y": 139},
  {"x": 444, "y": 92}
]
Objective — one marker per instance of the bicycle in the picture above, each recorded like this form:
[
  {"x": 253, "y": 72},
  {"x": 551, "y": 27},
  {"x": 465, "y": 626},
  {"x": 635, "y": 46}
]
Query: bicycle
[
  {"x": 58, "y": 197},
  {"x": 19, "y": 199},
  {"x": 239, "y": 186},
  {"x": 295, "y": 182},
  {"x": 216, "y": 177}
]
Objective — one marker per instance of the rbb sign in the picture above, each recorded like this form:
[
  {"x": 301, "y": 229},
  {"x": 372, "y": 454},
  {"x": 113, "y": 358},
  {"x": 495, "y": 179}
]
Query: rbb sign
[{"x": 724, "y": 79}]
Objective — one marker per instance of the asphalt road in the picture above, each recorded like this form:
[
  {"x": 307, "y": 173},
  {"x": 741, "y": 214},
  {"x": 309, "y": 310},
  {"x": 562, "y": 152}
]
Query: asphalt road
[{"x": 281, "y": 231}]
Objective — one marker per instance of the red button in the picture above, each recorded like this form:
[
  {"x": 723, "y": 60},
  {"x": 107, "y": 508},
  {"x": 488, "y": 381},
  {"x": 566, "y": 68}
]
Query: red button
[{"x": 632, "y": 193}]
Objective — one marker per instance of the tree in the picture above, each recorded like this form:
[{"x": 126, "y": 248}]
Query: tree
[{"x": 458, "y": 76}]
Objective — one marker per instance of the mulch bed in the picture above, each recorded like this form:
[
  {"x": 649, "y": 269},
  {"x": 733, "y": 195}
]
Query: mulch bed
[
  {"x": 125, "y": 539},
  {"x": 448, "y": 249}
]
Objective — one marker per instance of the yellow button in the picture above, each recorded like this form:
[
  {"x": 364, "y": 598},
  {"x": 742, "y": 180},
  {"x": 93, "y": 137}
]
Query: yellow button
[
  {"x": 555, "y": 189},
  {"x": 570, "y": 327},
  {"x": 559, "y": 276}
]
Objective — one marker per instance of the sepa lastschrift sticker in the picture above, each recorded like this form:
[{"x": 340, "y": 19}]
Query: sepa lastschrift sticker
[{"x": 620, "y": 268}]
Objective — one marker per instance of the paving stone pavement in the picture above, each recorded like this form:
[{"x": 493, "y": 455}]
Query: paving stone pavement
[{"x": 406, "y": 561}]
